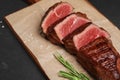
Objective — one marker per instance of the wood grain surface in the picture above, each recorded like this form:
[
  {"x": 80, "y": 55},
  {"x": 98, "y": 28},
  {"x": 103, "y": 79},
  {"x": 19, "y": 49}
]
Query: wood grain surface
[{"x": 25, "y": 24}]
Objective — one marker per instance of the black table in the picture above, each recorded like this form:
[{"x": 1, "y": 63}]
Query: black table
[{"x": 15, "y": 63}]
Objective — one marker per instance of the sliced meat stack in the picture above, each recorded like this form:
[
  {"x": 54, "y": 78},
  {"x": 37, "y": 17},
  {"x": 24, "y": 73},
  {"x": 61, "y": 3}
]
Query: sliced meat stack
[
  {"x": 58, "y": 31},
  {"x": 100, "y": 59},
  {"x": 55, "y": 13},
  {"x": 90, "y": 43}
]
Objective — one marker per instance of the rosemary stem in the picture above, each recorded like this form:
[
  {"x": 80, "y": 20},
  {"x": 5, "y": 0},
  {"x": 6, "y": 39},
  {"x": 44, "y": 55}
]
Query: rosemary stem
[{"x": 72, "y": 74}]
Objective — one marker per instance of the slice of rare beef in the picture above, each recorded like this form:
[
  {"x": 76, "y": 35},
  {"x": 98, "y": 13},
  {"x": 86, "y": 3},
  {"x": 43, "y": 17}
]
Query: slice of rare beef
[
  {"x": 100, "y": 59},
  {"x": 68, "y": 40},
  {"x": 89, "y": 34},
  {"x": 66, "y": 26},
  {"x": 54, "y": 13},
  {"x": 75, "y": 42}
]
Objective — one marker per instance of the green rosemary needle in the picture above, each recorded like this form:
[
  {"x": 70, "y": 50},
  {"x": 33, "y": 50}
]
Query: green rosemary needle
[{"x": 72, "y": 74}]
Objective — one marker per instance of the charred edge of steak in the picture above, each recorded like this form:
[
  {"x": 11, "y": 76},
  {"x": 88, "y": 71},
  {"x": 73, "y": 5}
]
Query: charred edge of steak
[
  {"x": 94, "y": 44},
  {"x": 54, "y": 38},
  {"x": 118, "y": 64},
  {"x": 51, "y": 32},
  {"x": 102, "y": 56},
  {"x": 88, "y": 66},
  {"x": 81, "y": 14},
  {"x": 82, "y": 57},
  {"x": 68, "y": 40},
  {"x": 105, "y": 31}
]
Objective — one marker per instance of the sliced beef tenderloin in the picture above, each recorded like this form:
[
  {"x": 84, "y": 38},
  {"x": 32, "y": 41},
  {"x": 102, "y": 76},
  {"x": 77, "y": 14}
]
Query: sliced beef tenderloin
[
  {"x": 54, "y": 13},
  {"x": 68, "y": 40},
  {"x": 83, "y": 38},
  {"x": 100, "y": 59},
  {"x": 89, "y": 34},
  {"x": 61, "y": 29}
]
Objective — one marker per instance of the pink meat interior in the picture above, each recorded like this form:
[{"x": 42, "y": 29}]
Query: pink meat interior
[
  {"x": 89, "y": 34},
  {"x": 68, "y": 25},
  {"x": 60, "y": 11}
]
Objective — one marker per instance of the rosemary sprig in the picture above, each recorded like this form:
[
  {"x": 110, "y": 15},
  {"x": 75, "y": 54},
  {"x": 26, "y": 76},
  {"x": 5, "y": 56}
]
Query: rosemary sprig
[{"x": 72, "y": 74}]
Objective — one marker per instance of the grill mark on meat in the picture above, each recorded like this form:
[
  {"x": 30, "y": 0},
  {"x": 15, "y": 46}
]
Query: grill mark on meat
[
  {"x": 89, "y": 34},
  {"x": 97, "y": 42},
  {"x": 87, "y": 64},
  {"x": 97, "y": 46},
  {"x": 97, "y": 50},
  {"x": 70, "y": 40},
  {"x": 102, "y": 56},
  {"x": 104, "y": 61}
]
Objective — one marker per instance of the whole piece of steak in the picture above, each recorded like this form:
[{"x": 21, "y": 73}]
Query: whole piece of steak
[
  {"x": 54, "y": 13},
  {"x": 61, "y": 29},
  {"x": 100, "y": 59}
]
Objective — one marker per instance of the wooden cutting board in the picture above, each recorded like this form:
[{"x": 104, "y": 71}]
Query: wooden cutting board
[{"x": 25, "y": 24}]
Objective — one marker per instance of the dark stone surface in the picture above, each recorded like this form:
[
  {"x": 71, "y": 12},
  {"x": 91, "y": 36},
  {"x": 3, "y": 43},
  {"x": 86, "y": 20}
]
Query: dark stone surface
[
  {"x": 110, "y": 9},
  {"x": 15, "y": 63}
]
